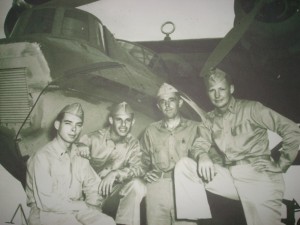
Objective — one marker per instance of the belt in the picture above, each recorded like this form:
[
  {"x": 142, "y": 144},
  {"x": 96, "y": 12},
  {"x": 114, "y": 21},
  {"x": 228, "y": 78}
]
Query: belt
[
  {"x": 248, "y": 160},
  {"x": 168, "y": 174}
]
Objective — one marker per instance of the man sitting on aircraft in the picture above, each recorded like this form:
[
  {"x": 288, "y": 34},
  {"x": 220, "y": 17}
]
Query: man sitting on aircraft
[
  {"x": 249, "y": 174},
  {"x": 163, "y": 144},
  {"x": 115, "y": 155},
  {"x": 62, "y": 187}
]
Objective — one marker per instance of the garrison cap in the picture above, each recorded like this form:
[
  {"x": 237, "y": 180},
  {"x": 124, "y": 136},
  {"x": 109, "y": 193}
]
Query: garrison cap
[
  {"x": 122, "y": 108},
  {"x": 214, "y": 75},
  {"x": 166, "y": 89},
  {"x": 75, "y": 109}
]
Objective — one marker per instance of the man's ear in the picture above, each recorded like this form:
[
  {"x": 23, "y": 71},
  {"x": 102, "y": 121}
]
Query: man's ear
[
  {"x": 158, "y": 106},
  {"x": 180, "y": 102},
  {"x": 56, "y": 124},
  {"x": 231, "y": 88},
  {"x": 133, "y": 121},
  {"x": 110, "y": 120}
]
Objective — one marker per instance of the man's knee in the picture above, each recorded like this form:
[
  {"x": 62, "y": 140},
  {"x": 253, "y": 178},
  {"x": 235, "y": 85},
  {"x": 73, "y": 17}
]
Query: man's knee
[
  {"x": 183, "y": 164},
  {"x": 108, "y": 221},
  {"x": 94, "y": 217},
  {"x": 136, "y": 186}
]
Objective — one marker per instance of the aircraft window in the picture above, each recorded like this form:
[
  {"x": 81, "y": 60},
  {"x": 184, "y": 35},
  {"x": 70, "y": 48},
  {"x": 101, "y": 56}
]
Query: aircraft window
[
  {"x": 75, "y": 24},
  {"x": 145, "y": 56},
  {"x": 41, "y": 21},
  {"x": 99, "y": 37},
  {"x": 141, "y": 54}
]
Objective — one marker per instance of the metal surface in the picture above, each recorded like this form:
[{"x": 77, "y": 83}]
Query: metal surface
[{"x": 14, "y": 96}]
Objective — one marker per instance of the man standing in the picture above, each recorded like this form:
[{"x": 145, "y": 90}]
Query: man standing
[
  {"x": 163, "y": 144},
  {"x": 116, "y": 157},
  {"x": 249, "y": 174},
  {"x": 57, "y": 178}
]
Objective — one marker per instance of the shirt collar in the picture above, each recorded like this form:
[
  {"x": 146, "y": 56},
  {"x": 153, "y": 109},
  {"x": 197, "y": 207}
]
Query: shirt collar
[
  {"x": 182, "y": 123},
  {"x": 125, "y": 140},
  {"x": 61, "y": 150}
]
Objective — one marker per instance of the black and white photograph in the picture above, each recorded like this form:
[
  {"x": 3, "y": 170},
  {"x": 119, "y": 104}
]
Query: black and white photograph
[{"x": 161, "y": 112}]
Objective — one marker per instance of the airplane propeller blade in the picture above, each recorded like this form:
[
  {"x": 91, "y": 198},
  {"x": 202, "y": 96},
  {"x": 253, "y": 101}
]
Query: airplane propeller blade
[
  {"x": 68, "y": 3},
  {"x": 12, "y": 16},
  {"x": 230, "y": 39}
]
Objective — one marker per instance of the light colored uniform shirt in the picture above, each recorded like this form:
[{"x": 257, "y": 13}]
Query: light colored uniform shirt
[
  {"x": 106, "y": 155},
  {"x": 241, "y": 132},
  {"x": 57, "y": 180},
  {"x": 162, "y": 148}
]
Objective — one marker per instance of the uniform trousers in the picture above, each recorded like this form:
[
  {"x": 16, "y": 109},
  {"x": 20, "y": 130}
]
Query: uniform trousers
[
  {"x": 260, "y": 193},
  {"x": 128, "y": 211},
  {"x": 160, "y": 206},
  {"x": 89, "y": 216},
  {"x": 131, "y": 194}
]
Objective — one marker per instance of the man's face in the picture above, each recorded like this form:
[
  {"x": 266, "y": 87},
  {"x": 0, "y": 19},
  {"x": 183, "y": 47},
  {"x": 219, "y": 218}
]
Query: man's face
[
  {"x": 69, "y": 128},
  {"x": 169, "y": 104},
  {"x": 121, "y": 124},
  {"x": 219, "y": 93}
]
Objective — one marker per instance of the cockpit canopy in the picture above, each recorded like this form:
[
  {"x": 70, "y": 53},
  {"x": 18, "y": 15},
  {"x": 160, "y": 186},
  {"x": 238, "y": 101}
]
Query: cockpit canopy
[{"x": 68, "y": 23}]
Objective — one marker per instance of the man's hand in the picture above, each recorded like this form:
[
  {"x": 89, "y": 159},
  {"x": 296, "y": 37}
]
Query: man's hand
[
  {"x": 262, "y": 165},
  {"x": 152, "y": 176},
  {"x": 83, "y": 151},
  {"x": 107, "y": 183},
  {"x": 103, "y": 173},
  {"x": 206, "y": 168}
]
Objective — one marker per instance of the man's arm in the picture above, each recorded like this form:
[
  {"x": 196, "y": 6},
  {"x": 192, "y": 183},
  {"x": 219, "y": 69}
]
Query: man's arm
[
  {"x": 202, "y": 142},
  {"x": 134, "y": 163},
  {"x": 287, "y": 129},
  {"x": 200, "y": 153},
  {"x": 150, "y": 175},
  {"x": 133, "y": 168},
  {"x": 91, "y": 183},
  {"x": 83, "y": 147}
]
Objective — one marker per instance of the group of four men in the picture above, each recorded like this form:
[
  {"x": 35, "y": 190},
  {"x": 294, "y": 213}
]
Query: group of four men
[{"x": 69, "y": 181}]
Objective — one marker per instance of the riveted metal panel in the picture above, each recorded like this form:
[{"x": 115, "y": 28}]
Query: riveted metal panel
[{"x": 14, "y": 97}]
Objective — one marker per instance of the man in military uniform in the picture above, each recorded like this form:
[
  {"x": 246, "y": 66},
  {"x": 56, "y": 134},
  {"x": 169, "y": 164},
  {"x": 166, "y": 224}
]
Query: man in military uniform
[
  {"x": 249, "y": 174},
  {"x": 115, "y": 155},
  {"x": 57, "y": 178},
  {"x": 163, "y": 144}
]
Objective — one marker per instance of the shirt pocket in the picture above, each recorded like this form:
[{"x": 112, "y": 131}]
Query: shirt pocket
[
  {"x": 182, "y": 148},
  {"x": 242, "y": 129}
]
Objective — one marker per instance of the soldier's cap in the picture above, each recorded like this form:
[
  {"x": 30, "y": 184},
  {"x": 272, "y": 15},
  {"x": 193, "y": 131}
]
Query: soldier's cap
[
  {"x": 75, "y": 109},
  {"x": 166, "y": 89},
  {"x": 121, "y": 109},
  {"x": 213, "y": 75}
]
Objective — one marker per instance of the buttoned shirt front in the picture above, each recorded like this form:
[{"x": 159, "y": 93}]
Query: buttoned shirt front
[
  {"x": 123, "y": 157},
  {"x": 241, "y": 132},
  {"x": 56, "y": 180},
  {"x": 162, "y": 147}
]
